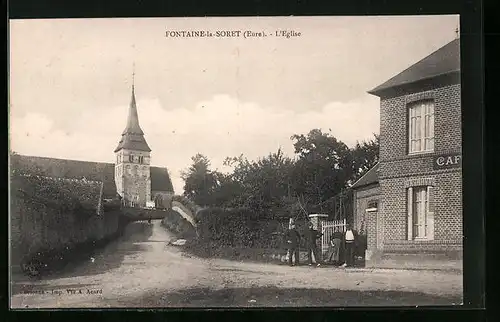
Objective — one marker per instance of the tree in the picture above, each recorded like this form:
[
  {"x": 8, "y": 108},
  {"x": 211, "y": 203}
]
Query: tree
[
  {"x": 324, "y": 165},
  {"x": 199, "y": 181},
  {"x": 365, "y": 156},
  {"x": 262, "y": 184}
]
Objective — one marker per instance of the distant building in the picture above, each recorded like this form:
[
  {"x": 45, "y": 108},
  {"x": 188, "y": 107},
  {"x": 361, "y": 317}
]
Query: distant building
[
  {"x": 132, "y": 164},
  {"x": 131, "y": 176},
  {"x": 411, "y": 202}
]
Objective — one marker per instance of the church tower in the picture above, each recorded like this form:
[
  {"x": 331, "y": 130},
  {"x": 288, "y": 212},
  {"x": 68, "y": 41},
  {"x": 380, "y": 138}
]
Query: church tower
[{"x": 132, "y": 164}]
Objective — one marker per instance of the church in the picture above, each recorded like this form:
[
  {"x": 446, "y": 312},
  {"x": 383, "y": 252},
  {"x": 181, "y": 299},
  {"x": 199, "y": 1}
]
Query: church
[{"x": 131, "y": 176}]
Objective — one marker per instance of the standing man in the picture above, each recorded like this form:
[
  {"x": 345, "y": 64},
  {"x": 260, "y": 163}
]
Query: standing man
[
  {"x": 293, "y": 241},
  {"x": 312, "y": 236},
  {"x": 349, "y": 241}
]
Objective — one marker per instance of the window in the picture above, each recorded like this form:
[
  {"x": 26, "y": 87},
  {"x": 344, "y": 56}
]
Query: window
[
  {"x": 421, "y": 127},
  {"x": 131, "y": 158},
  {"x": 420, "y": 213},
  {"x": 372, "y": 206},
  {"x": 141, "y": 159}
]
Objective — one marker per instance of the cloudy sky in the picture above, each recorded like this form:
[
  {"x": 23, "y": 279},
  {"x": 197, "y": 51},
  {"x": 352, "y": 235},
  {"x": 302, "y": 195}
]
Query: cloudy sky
[{"x": 70, "y": 83}]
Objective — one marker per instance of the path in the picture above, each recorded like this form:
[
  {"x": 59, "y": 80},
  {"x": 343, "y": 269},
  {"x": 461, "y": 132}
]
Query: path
[{"x": 140, "y": 269}]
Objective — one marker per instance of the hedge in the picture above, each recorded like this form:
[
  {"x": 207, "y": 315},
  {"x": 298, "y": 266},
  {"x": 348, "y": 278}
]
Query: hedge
[
  {"x": 51, "y": 214},
  {"x": 238, "y": 227}
]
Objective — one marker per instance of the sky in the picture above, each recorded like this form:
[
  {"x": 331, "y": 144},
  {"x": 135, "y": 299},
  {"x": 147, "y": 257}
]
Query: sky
[{"x": 70, "y": 83}]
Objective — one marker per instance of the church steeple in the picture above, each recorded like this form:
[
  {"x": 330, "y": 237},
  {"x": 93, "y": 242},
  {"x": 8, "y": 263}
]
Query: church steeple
[{"x": 133, "y": 136}]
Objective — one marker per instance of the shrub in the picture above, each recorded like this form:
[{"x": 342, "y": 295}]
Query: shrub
[{"x": 238, "y": 227}]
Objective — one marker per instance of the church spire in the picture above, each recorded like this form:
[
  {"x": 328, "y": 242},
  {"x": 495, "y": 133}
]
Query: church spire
[
  {"x": 133, "y": 136},
  {"x": 133, "y": 126}
]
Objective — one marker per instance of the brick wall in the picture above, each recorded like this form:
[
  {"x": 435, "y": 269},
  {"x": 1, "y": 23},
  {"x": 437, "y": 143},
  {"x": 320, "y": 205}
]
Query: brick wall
[
  {"x": 362, "y": 197},
  {"x": 363, "y": 220},
  {"x": 394, "y": 124},
  {"x": 397, "y": 167}
]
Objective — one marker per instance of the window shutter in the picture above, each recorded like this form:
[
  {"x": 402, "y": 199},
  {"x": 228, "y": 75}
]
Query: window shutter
[
  {"x": 430, "y": 213},
  {"x": 410, "y": 213}
]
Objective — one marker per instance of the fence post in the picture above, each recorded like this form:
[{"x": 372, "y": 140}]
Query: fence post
[{"x": 316, "y": 220}]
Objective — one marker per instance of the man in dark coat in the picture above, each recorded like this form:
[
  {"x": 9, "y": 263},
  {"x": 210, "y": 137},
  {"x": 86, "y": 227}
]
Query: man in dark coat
[
  {"x": 312, "y": 236},
  {"x": 293, "y": 240}
]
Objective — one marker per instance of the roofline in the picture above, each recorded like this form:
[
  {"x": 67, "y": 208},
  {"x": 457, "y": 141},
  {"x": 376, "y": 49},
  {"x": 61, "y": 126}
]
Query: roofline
[
  {"x": 352, "y": 186},
  {"x": 366, "y": 185},
  {"x": 377, "y": 90},
  {"x": 101, "y": 162},
  {"x": 54, "y": 158}
]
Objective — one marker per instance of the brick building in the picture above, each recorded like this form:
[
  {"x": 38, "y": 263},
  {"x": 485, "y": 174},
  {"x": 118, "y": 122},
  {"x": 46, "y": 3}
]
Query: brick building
[
  {"x": 366, "y": 198},
  {"x": 418, "y": 177}
]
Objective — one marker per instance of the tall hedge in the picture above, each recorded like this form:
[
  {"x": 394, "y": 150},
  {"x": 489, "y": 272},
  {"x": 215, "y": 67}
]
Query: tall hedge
[
  {"x": 48, "y": 214},
  {"x": 237, "y": 228}
]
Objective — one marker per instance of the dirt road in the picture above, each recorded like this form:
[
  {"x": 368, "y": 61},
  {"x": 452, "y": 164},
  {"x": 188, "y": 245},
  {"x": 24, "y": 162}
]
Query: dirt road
[{"x": 141, "y": 270}]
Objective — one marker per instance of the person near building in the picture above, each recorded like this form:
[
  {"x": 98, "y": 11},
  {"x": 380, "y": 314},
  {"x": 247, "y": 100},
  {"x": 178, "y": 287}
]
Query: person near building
[
  {"x": 349, "y": 241},
  {"x": 312, "y": 248},
  {"x": 293, "y": 241},
  {"x": 334, "y": 251}
]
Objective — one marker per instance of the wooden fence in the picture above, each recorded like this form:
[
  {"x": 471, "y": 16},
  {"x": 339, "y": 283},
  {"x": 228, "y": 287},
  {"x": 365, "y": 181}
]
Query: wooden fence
[{"x": 328, "y": 228}]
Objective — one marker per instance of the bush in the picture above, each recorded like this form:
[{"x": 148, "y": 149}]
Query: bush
[{"x": 238, "y": 227}]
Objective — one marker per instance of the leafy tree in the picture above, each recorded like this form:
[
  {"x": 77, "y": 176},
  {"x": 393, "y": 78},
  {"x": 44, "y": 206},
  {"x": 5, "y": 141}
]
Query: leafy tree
[
  {"x": 199, "y": 181},
  {"x": 324, "y": 165},
  {"x": 262, "y": 184},
  {"x": 365, "y": 156}
]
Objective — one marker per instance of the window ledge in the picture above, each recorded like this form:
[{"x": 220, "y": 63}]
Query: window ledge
[{"x": 421, "y": 152}]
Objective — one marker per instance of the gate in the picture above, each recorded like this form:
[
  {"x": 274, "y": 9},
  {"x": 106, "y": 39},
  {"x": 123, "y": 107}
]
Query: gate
[{"x": 328, "y": 228}]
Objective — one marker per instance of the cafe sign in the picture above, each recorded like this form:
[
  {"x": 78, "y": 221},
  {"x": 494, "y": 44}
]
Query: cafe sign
[{"x": 447, "y": 161}]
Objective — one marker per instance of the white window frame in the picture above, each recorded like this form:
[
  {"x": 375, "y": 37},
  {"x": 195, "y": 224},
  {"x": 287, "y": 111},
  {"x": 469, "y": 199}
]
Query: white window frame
[
  {"x": 421, "y": 127},
  {"x": 420, "y": 206}
]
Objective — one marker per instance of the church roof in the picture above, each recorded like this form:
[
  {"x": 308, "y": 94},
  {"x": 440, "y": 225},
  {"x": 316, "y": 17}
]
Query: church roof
[
  {"x": 445, "y": 60},
  {"x": 133, "y": 136},
  {"x": 93, "y": 171}
]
